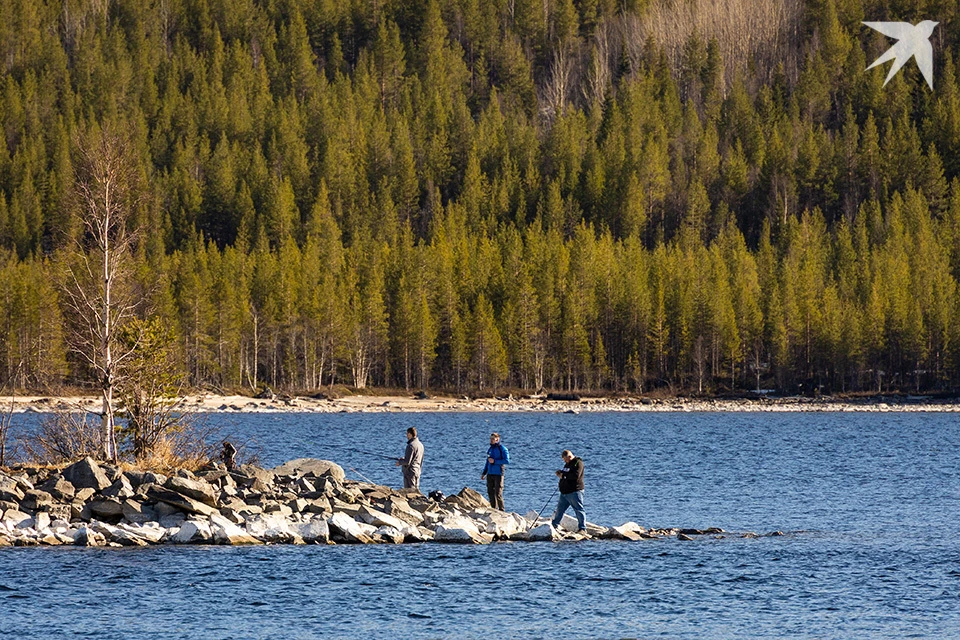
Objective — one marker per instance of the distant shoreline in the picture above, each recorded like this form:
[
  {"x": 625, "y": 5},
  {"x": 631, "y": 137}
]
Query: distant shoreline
[{"x": 209, "y": 403}]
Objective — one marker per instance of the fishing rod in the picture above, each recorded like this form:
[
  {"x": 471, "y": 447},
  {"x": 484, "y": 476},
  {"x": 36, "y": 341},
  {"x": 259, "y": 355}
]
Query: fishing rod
[
  {"x": 547, "y": 502},
  {"x": 361, "y": 475},
  {"x": 371, "y": 453}
]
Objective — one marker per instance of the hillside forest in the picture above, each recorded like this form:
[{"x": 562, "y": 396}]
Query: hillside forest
[{"x": 679, "y": 196}]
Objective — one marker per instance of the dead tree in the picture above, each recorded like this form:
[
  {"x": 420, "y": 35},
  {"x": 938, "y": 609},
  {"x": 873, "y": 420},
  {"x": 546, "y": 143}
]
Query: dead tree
[{"x": 99, "y": 293}]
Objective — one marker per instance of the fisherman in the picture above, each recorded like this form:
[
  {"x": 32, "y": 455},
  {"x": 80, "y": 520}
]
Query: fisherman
[
  {"x": 229, "y": 455},
  {"x": 412, "y": 460},
  {"x": 571, "y": 491},
  {"x": 497, "y": 456}
]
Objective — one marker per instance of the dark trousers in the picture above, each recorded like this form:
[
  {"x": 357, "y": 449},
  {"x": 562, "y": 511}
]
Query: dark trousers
[{"x": 495, "y": 491}]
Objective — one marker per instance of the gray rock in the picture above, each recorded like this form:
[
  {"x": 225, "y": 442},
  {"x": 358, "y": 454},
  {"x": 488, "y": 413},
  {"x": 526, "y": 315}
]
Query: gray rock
[
  {"x": 316, "y": 530},
  {"x": 226, "y": 532},
  {"x": 348, "y": 529},
  {"x": 41, "y": 520},
  {"x": 109, "y": 508},
  {"x": 193, "y": 531},
  {"x": 320, "y": 505},
  {"x": 389, "y": 534},
  {"x": 86, "y": 474},
  {"x": 60, "y": 488},
  {"x": 627, "y": 531},
  {"x": 253, "y": 477},
  {"x": 14, "y": 519},
  {"x": 311, "y": 466},
  {"x": 137, "y": 512},
  {"x": 84, "y": 494},
  {"x": 172, "y": 520},
  {"x": 9, "y": 489},
  {"x": 543, "y": 533},
  {"x": 468, "y": 499},
  {"x": 276, "y": 508},
  {"x": 269, "y": 528},
  {"x": 400, "y": 508},
  {"x": 379, "y": 519},
  {"x": 121, "y": 488},
  {"x": 36, "y": 499},
  {"x": 87, "y": 537},
  {"x": 180, "y": 501},
  {"x": 196, "y": 489}
]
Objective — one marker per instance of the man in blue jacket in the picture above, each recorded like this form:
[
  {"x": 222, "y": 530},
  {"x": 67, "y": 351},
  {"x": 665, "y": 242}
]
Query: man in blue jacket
[{"x": 497, "y": 456}]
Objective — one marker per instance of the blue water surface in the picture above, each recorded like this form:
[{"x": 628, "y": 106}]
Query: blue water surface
[{"x": 867, "y": 504}]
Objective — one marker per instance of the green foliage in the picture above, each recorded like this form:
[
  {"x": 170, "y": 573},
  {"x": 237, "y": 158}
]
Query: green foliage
[{"x": 462, "y": 194}]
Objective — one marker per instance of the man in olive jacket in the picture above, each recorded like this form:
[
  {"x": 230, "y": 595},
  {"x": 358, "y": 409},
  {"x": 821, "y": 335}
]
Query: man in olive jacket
[
  {"x": 571, "y": 491},
  {"x": 412, "y": 460}
]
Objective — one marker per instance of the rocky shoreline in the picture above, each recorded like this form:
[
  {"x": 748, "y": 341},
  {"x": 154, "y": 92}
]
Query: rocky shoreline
[
  {"x": 303, "y": 501},
  {"x": 551, "y": 403}
]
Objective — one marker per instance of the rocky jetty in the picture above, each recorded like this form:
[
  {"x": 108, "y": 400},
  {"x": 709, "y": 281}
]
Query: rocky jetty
[{"x": 303, "y": 501}]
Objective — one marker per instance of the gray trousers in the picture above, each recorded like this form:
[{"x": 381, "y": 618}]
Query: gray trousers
[
  {"x": 411, "y": 478},
  {"x": 495, "y": 491}
]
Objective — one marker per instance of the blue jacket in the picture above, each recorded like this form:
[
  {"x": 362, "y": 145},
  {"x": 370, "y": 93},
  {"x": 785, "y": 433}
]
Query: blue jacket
[{"x": 500, "y": 457}]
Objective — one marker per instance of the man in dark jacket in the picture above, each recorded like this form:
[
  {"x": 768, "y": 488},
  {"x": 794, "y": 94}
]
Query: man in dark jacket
[
  {"x": 497, "y": 456},
  {"x": 571, "y": 491},
  {"x": 412, "y": 460}
]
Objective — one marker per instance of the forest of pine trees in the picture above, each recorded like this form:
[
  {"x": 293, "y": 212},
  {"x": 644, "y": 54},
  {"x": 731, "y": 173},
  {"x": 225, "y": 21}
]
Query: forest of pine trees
[{"x": 474, "y": 195}]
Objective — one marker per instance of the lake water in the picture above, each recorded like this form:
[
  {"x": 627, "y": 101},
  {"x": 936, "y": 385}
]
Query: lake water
[{"x": 868, "y": 505}]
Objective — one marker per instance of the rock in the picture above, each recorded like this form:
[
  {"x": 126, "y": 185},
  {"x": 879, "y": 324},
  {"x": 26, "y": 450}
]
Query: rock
[
  {"x": 87, "y": 537},
  {"x": 123, "y": 537},
  {"x": 226, "y": 532},
  {"x": 60, "y": 488},
  {"x": 468, "y": 499},
  {"x": 15, "y": 519},
  {"x": 311, "y": 466},
  {"x": 503, "y": 525},
  {"x": 36, "y": 499},
  {"x": 151, "y": 533},
  {"x": 121, "y": 488},
  {"x": 196, "y": 489},
  {"x": 379, "y": 519},
  {"x": 320, "y": 505},
  {"x": 84, "y": 494},
  {"x": 86, "y": 474},
  {"x": 465, "y": 535},
  {"x": 10, "y": 489},
  {"x": 348, "y": 528},
  {"x": 628, "y": 531},
  {"x": 269, "y": 528},
  {"x": 109, "y": 508},
  {"x": 270, "y": 506},
  {"x": 137, "y": 512},
  {"x": 401, "y": 509},
  {"x": 543, "y": 533},
  {"x": 172, "y": 520},
  {"x": 315, "y": 530},
  {"x": 41, "y": 520},
  {"x": 192, "y": 531},
  {"x": 253, "y": 477},
  {"x": 60, "y": 512},
  {"x": 181, "y": 502},
  {"x": 389, "y": 534}
]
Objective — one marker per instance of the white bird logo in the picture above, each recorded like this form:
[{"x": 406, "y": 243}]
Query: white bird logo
[{"x": 913, "y": 41}]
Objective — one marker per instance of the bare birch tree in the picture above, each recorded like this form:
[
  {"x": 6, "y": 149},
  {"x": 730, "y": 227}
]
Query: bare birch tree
[{"x": 99, "y": 293}]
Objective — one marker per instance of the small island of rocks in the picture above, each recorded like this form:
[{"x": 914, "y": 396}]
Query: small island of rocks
[{"x": 305, "y": 501}]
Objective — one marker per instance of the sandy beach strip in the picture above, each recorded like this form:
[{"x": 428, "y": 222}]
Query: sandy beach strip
[{"x": 210, "y": 403}]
